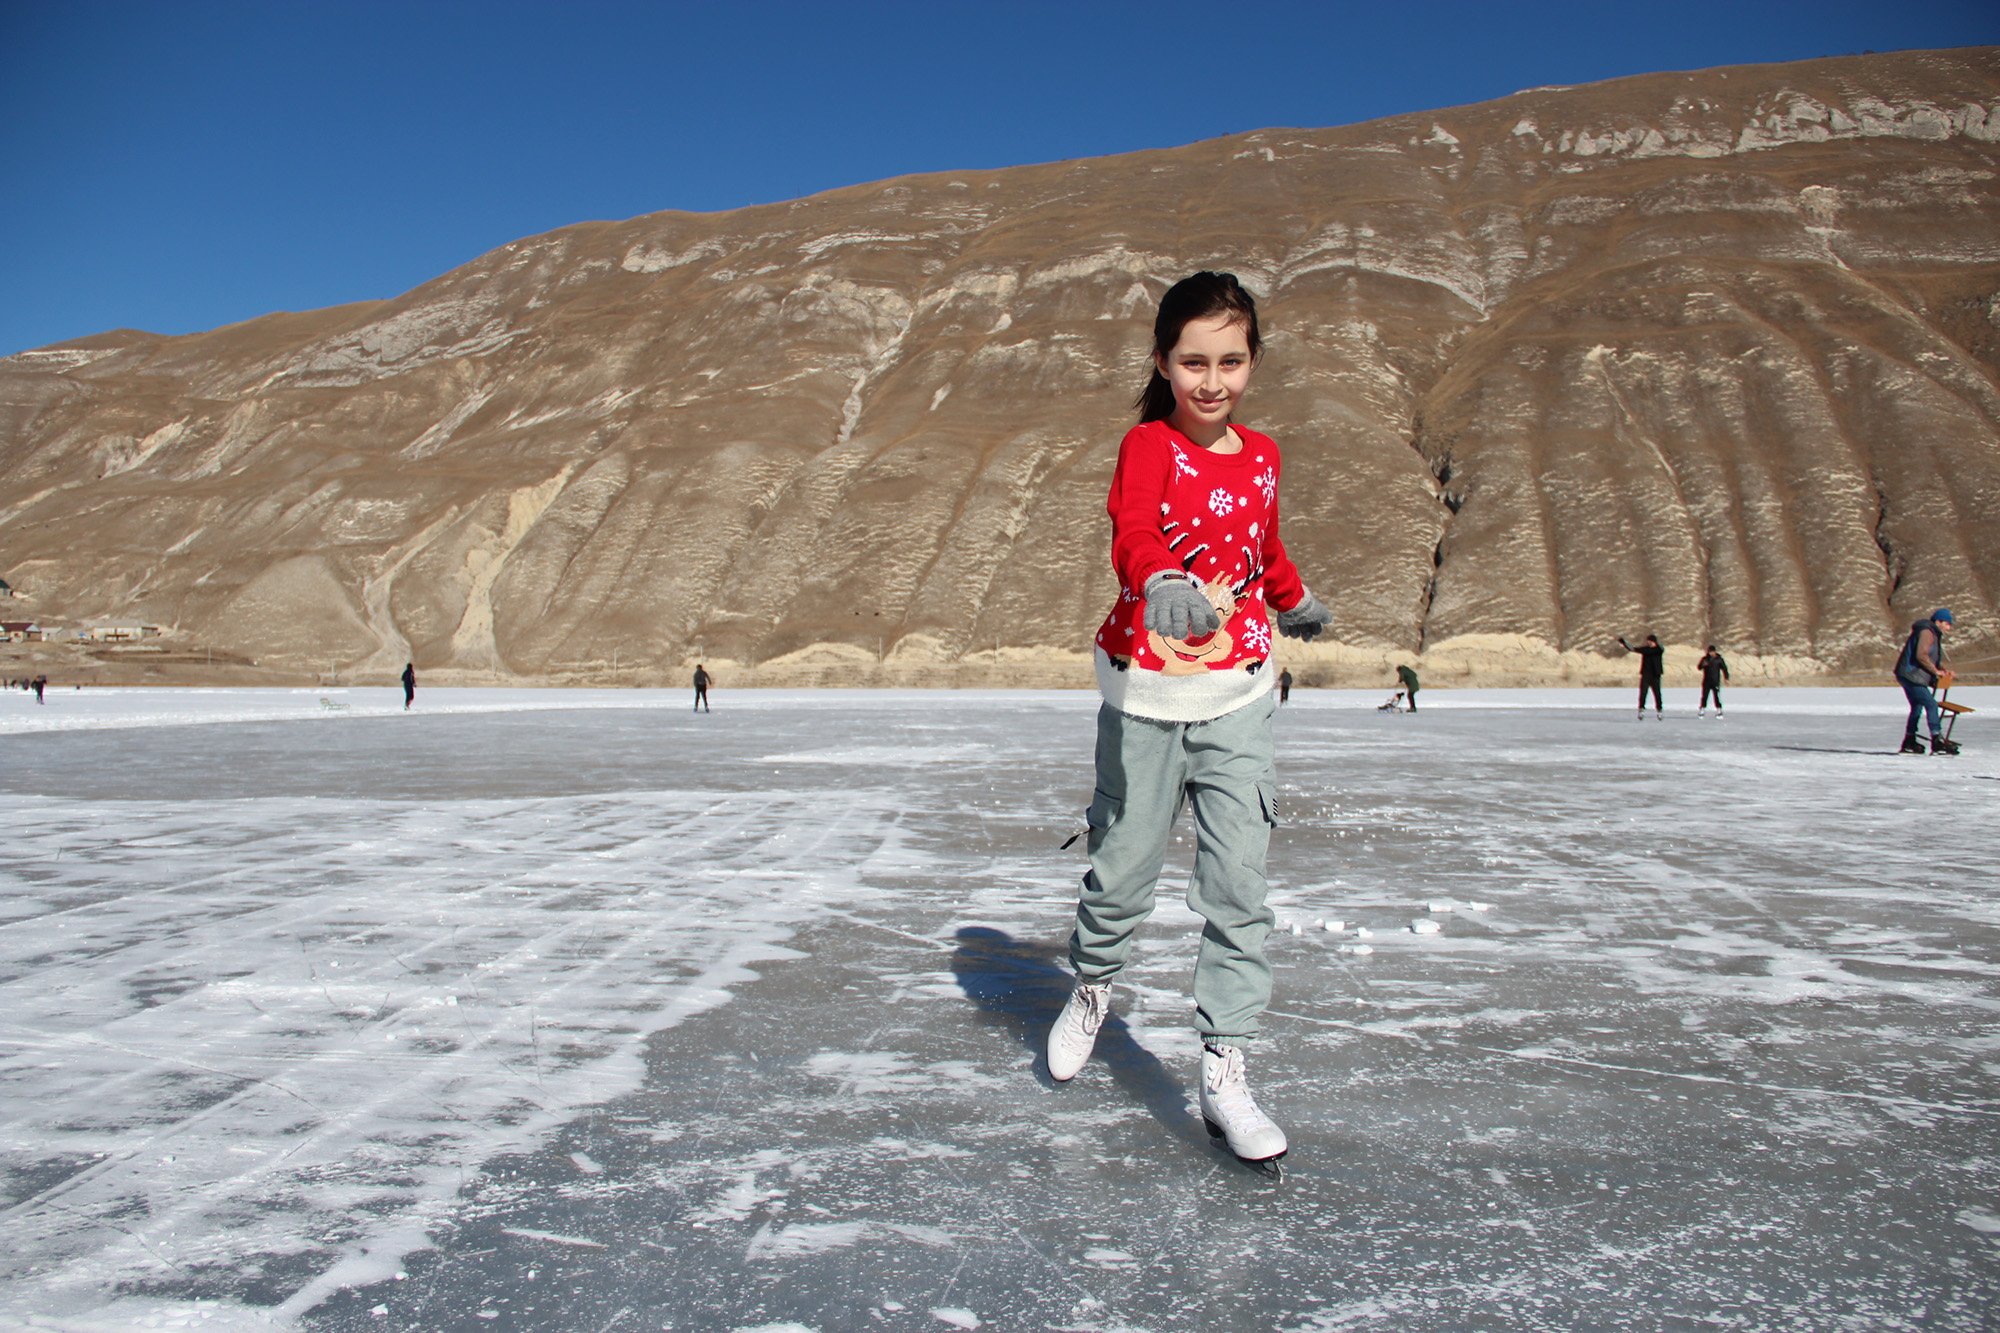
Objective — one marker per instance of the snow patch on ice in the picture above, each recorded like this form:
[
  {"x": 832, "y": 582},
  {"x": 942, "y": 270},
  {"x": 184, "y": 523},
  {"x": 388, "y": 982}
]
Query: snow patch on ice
[
  {"x": 895, "y": 756},
  {"x": 887, "y": 1073},
  {"x": 1983, "y": 1220},
  {"x": 554, "y": 1238},
  {"x": 805, "y": 1240}
]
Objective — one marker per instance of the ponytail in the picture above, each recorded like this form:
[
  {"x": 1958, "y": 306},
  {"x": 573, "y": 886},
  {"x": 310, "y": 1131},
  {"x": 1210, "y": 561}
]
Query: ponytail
[{"x": 1156, "y": 401}]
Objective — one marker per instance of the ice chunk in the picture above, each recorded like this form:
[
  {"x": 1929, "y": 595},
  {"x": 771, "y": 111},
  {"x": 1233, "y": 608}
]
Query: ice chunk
[{"x": 1423, "y": 925}]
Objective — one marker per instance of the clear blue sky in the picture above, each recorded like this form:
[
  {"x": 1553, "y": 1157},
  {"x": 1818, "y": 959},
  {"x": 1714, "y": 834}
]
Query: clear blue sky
[{"x": 174, "y": 165}]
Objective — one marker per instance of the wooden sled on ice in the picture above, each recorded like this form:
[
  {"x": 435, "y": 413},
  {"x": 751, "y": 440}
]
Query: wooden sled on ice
[{"x": 1951, "y": 712}]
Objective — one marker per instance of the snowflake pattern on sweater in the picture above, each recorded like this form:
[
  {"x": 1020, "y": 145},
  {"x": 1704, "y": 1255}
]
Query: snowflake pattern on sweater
[{"x": 1177, "y": 506}]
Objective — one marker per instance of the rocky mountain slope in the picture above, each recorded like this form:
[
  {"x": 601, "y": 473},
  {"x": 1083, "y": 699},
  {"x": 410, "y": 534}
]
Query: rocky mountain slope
[{"x": 1714, "y": 355}]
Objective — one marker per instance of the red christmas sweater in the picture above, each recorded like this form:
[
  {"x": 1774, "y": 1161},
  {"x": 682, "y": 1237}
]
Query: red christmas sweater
[{"x": 1175, "y": 505}]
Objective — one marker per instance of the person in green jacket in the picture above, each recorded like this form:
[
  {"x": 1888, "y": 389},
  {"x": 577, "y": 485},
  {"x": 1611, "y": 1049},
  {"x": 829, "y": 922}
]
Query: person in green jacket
[{"x": 1408, "y": 676}]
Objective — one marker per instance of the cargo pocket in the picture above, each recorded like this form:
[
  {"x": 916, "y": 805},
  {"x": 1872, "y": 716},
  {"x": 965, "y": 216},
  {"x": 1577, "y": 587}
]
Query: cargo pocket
[
  {"x": 1104, "y": 810},
  {"x": 1103, "y": 813},
  {"x": 1267, "y": 796}
]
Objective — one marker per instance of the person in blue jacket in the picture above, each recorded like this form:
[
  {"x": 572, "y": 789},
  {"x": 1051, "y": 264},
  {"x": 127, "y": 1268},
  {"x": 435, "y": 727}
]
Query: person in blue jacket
[{"x": 1921, "y": 671}]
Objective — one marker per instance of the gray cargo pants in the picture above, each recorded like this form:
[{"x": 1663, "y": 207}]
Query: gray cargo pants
[{"x": 1146, "y": 771}]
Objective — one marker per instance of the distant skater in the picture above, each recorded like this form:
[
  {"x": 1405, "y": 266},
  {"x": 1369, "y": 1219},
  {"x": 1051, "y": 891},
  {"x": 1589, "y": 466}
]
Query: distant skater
[
  {"x": 1284, "y": 687},
  {"x": 701, "y": 679},
  {"x": 1186, "y": 719},
  {"x": 41, "y": 684},
  {"x": 1408, "y": 675},
  {"x": 1652, "y": 665},
  {"x": 1921, "y": 671},
  {"x": 409, "y": 685},
  {"x": 1713, "y": 672}
]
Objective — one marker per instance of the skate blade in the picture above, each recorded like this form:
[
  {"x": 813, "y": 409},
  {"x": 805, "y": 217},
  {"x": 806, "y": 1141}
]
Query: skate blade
[{"x": 1272, "y": 1167}]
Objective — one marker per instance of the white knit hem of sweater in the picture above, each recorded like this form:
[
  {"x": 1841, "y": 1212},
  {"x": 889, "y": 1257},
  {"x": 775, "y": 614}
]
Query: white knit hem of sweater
[{"x": 1163, "y": 698}]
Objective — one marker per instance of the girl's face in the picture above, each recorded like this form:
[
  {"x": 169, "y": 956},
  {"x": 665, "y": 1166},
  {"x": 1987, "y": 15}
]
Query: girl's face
[{"x": 1209, "y": 369}]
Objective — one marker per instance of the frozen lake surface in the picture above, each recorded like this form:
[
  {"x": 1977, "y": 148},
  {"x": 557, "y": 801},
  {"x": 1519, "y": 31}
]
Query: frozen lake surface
[{"x": 571, "y": 1010}]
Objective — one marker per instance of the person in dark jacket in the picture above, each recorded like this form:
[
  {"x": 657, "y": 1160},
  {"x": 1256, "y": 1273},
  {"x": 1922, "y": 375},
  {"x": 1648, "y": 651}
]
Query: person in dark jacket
[
  {"x": 1713, "y": 672},
  {"x": 409, "y": 684},
  {"x": 701, "y": 679},
  {"x": 1921, "y": 671},
  {"x": 1652, "y": 666},
  {"x": 1408, "y": 675}
]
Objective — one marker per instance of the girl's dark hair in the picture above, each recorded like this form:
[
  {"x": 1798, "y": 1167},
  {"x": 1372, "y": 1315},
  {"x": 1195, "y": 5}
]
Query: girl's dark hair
[{"x": 1203, "y": 296}]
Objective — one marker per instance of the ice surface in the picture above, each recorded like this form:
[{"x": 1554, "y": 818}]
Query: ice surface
[{"x": 575, "y": 1010}]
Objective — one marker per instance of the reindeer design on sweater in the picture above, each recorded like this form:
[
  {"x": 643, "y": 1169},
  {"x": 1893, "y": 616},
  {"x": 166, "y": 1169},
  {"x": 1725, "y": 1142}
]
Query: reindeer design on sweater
[{"x": 1188, "y": 657}]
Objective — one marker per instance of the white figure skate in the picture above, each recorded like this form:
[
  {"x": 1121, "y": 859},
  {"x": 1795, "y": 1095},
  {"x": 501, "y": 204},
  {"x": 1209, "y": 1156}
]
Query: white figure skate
[
  {"x": 1232, "y": 1114},
  {"x": 1075, "y": 1033}
]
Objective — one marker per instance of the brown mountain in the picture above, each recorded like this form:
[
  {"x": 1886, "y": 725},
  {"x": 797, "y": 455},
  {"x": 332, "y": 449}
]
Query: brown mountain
[{"x": 1715, "y": 355}]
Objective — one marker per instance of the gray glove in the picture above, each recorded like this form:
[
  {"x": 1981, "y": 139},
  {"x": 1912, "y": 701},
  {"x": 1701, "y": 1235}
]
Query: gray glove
[
  {"x": 1305, "y": 620},
  {"x": 1177, "y": 608}
]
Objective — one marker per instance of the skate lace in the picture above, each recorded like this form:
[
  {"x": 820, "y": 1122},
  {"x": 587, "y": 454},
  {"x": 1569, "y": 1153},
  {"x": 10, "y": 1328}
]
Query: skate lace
[
  {"x": 1228, "y": 1090},
  {"x": 1088, "y": 1006}
]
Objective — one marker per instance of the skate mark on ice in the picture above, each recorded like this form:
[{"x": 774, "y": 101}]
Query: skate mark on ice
[
  {"x": 484, "y": 968},
  {"x": 1831, "y": 749},
  {"x": 1433, "y": 1042}
]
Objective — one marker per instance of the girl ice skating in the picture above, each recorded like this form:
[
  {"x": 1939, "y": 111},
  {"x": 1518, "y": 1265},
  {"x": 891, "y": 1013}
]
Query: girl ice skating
[{"x": 1182, "y": 663}]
